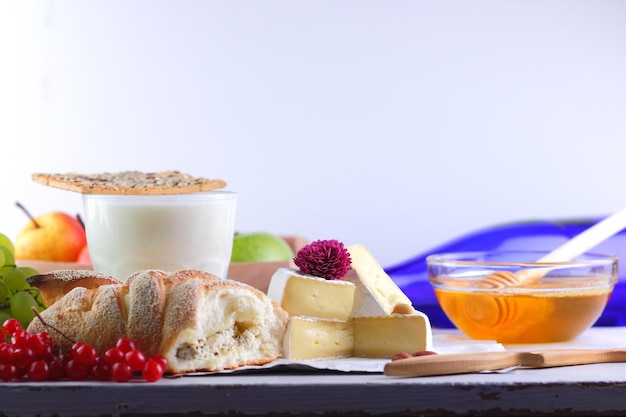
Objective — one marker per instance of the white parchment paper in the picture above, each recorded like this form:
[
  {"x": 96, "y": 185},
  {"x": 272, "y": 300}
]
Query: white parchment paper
[{"x": 442, "y": 343}]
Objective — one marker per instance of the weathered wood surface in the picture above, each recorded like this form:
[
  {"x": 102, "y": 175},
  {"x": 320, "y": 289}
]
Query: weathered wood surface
[{"x": 598, "y": 389}]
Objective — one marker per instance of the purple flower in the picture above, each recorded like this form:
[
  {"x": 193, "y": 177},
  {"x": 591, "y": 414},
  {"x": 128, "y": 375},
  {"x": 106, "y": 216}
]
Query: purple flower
[{"x": 327, "y": 259}]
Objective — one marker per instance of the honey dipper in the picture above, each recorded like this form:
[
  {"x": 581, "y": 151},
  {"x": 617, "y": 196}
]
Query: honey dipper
[
  {"x": 461, "y": 363},
  {"x": 574, "y": 247}
]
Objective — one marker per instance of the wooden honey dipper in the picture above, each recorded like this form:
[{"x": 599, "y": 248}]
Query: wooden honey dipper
[
  {"x": 574, "y": 247},
  {"x": 461, "y": 363}
]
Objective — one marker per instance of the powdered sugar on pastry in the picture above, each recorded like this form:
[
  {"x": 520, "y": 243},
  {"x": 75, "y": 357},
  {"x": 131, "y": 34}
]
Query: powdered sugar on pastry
[
  {"x": 55, "y": 285},
  {"x": 199, "y": 322}
]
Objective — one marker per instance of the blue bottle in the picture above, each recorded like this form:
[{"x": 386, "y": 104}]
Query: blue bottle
[{"x": 412, "y": 275}]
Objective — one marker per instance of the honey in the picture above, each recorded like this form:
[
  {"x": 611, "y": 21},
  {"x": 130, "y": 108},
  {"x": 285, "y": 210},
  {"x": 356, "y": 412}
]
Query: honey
[{"x": 542, "y": 316}]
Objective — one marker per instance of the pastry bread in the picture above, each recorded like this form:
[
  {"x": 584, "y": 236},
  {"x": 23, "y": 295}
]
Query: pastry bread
[
  {"x": 197, "y": 321},
  {"x": 129, "y": 182},
  {"x": 53, "y": 287}
]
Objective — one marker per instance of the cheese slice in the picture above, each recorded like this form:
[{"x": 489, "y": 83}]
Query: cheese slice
[
  {"x": 384, "y": 336},
  {"x": 308, "y": 338},
  {"x": 376, "y": 293},
  {"x": 306, "y": 295}
]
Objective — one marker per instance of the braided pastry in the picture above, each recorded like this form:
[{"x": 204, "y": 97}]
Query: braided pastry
[{"x": 198, "y": 321}]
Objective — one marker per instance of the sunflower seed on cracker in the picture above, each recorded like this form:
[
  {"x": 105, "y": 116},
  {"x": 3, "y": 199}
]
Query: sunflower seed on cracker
[{"x": 129, "y": 182}]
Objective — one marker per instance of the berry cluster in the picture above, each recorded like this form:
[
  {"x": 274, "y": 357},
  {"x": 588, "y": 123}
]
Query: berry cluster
[{"x": 32, "y": 357}]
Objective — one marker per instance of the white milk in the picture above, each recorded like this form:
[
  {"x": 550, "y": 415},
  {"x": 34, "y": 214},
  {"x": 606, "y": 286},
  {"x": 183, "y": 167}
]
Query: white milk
[{"x": 128, "y": 233}]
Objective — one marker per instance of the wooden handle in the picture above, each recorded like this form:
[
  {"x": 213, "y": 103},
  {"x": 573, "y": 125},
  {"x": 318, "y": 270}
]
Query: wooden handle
[
  {"x": 565, "y": 357},
  {"x": 452, "y": 363},
  {"x": 577, "y": 245},
  {"x": 588, "y": 239},
  {"x": 460, "y": 363}
]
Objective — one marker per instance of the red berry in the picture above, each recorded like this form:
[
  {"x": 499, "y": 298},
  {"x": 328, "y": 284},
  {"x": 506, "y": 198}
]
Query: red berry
[
  {"x": 46, "y": 353},
  {"x": 41, "y": 344},
  {"x": 135, "y": 359},
  {"x": 85, "y": 354},
  {"x": 113, "y": 355},
  {"x": 38, "y": 370},
  {"x": 43, "y": 338},
  {"x": 6, "y": 353},
  {"x": 20, "y": 372},
  {"x": 57, "y": 367},
  {"x": 152, "y": 370},
  {"x": 10, "y": 326},
  {"x": 101, "y": 371},
  {"x": 76, "y": 371},
  {"x": 21, "y": 338},
  {"x": 161, "y": 360},
  {"x": 121, "y": 372},
  {"x": 76, "y": 345},
  {"x": 23, "y": 357},
  {"x": 125, "y": 345},
  {"x": 8, "y": 371}
]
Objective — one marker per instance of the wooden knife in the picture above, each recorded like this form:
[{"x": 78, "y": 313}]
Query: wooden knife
[{"x": 461, "y": 363}]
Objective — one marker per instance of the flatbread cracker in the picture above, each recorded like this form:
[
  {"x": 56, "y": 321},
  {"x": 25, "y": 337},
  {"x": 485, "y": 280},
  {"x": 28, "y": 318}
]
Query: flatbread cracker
[{"x": 130, "y": 182}]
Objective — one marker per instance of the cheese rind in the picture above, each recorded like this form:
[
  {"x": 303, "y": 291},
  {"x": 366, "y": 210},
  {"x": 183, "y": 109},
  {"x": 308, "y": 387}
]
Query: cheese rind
[
  {"x": 309, "y": 338},
  {"x": 364, "y": 315},
  {"x": 306, "y": 295},
  {"x": 384, "y": 336},
  {"x": 376, "y": 293}
]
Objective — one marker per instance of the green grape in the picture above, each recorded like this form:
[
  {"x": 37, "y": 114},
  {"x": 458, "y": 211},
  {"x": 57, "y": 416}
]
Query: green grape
[
  {"x": 37, "y": 294},
  {"x": 9, "y": 259},
  {"x": 4, "y": 316},
  {"x": 5, "y": 241},
  {"x": 15, "y": 280},
  {"x": 17, "y": 297},
  {"x": 21, "y": 307},
  {"x": 5, "y": 269},
  {"x": 28, "y": 271},
  {"x": 5, "y": 295}
]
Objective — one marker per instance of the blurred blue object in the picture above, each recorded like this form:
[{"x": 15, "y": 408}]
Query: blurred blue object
[{"x": 412, "y": 275}]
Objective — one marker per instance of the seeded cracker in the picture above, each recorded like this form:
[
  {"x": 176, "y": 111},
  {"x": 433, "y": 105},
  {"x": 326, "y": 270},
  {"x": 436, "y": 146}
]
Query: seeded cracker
[{"x": 129, "y": 182}]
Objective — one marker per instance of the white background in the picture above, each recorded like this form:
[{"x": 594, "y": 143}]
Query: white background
[{"x": 396, "y": 124}]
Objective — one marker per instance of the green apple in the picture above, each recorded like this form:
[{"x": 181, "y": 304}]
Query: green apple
[{"x": 260, "y": 247}]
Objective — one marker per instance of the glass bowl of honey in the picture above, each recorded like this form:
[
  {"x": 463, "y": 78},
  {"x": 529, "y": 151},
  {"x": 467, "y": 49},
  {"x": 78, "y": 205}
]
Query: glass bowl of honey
[{"x": 509, "y": 297}]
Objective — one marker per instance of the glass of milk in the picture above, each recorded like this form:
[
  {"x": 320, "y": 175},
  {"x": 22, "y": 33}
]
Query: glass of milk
[{"x": 128, "y": 233}]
